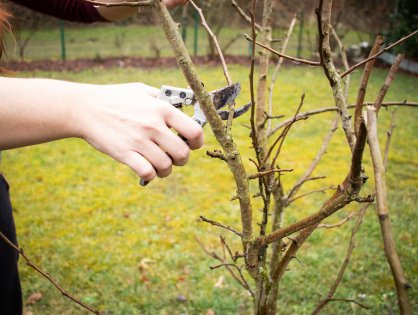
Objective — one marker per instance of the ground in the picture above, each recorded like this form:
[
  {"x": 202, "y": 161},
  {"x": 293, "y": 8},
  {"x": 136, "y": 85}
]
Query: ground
[{"x": 132, "y": 250}]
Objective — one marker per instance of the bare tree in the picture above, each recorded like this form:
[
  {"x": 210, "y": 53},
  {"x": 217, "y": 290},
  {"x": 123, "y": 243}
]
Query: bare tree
[
  {"x": 268, "y": 247},
  {"x": 25, "y": 25}
]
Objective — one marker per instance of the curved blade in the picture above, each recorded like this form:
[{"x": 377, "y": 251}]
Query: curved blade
[
  {"x": 238, "y": 112},
  {"x": 226, "y": 95},
  {"x": 220, "y": 98}
]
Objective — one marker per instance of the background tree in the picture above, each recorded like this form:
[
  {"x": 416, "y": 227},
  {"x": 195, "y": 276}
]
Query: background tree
[{"x": 403, "y": 21}]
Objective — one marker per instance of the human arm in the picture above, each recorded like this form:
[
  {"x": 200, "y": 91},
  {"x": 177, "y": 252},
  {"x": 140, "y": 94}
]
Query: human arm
[
  {"x": 124, "y": 121},
  {"x": 84, "y": 11},
  {"x": 120, "y": 13}
]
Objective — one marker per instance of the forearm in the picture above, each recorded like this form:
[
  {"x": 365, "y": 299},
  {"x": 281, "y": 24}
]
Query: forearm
[
  {"x": 116, "y": 13},
  {"x": 120, "y": 13},
  {"x": 34, "y": 111}
]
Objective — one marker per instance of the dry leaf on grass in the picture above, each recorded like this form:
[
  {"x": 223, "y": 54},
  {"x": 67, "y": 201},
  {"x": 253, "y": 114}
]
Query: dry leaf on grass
[{"x": 34, "y": 298}]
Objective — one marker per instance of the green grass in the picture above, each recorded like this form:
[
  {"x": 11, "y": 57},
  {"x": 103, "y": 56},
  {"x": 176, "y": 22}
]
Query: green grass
[{"x": 84, "y": 219}]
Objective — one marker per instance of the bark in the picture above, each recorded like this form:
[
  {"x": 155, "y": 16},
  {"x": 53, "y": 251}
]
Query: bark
[
  {"x": 324, "y": 20},
  {"x": 383, "y": 212},
  {"x": 228, "y": 145},
  {"x": 264, "y": 62}
]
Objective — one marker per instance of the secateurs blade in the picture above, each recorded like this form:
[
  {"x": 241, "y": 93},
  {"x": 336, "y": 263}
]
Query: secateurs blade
[{"x": 179, "y": 97}]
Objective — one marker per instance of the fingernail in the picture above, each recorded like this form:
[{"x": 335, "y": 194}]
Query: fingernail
[{"x": 143, "y": 182}]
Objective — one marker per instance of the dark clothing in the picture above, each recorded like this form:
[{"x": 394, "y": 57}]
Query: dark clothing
[
  {"x": 10, "y": 293},
  {"x": 71, "y": 10}
]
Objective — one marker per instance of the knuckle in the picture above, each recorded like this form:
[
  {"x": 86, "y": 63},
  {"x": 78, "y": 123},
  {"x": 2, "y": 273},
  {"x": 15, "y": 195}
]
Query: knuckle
[
  {"x": 151, "y": 127},
  {"x": 195, "y": 132},
  {"x": 182, "y": 156},
  {"x": 164, "y": 167}
]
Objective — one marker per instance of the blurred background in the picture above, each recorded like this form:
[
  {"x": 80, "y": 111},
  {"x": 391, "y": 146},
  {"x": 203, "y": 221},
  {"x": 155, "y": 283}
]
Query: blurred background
[{"x": 39, "y": 37}]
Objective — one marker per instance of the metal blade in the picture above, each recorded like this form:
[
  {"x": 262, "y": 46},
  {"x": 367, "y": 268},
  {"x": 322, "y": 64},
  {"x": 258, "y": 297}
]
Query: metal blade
[
  {"x": 226, "y": 95},
  {"x": 238, "y": 112},
  {"x": 220, "y": 98}
]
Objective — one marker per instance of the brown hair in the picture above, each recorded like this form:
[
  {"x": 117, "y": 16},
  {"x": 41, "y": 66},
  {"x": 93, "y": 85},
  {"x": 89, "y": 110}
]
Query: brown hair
[{"x": 4, "y": 27}]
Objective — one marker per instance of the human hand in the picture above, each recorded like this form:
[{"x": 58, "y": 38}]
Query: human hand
[
  {"x": 128, "y": 123},
  {"x": 173, "y": 3}
]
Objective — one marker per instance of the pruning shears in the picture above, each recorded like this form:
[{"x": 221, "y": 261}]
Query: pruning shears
[{"x": 180, "y": 97}]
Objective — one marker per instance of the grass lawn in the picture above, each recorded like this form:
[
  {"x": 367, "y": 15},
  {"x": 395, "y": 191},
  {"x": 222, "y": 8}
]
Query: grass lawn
[{"x": 132, "y": 250}]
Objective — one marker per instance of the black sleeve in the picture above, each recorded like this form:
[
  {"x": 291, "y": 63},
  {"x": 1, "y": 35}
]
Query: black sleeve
[{"x": 71, "y": 10}]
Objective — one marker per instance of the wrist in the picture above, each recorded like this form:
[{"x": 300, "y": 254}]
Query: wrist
[{"x": 85, "y": 98}]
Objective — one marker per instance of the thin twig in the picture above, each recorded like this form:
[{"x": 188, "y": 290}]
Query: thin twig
[
  {"x": 215, "y": 42},
  {"x": 379, "y": 53},
  {"x": 254, "y": 135},
  {"x": 294, "y": 59},
  {"x": 278, "y": 66},
  {"x": 388, "y": 139},
  {"x": 310, "y": 193},
  {"x": 240, "y": 279},
  {"x": 307, "y": 114},
  {"x": 244, "y": 15},
  {"x": 284, "y": 133},
  {"x": 217, "y": 155},
  {"x": 350, "y": 301},
  {"x": 342, "y": 222},
  {"x": 344, "y": 266},
  {"x": 344, "y": 60},
  {"x": 220, "y": 225},
  {"x": 264, "y": 173},
  {"x": 301, "y": 182},
  {"x": 389, "y": 79},
  {"x": 48, "y": 277},
  {"x": 316, "y": 160}
]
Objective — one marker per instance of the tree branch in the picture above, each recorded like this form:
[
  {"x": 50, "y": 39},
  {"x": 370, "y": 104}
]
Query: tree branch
[
  {"x": 244, "y": 15},
  {"x": 48, "y": 277},
  {"x": 379, "y": 53},
  {"x": 324, "y": 20},
  {"x": 389, "y": 79},
  {"x": 363, "y": 85},
  {"x": 307, "y": 114},
  {"x": 264, "y": 173},
  {"x": 294, "y": 59},
  {"x": 215, "y": 42},
  {"x": 389, "y": 138},
  {"x": 342, "y": 222},
  {"x": 382, "y": 208},
  {"x": 278, "y": 66},
  {"x": 309, "y": 193},
  {"x": 347, "y": 258},
  {"x": 206, "y": 104},
  {"x": 204, "y": 219},
  {"x": 315, "y": 161}
]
